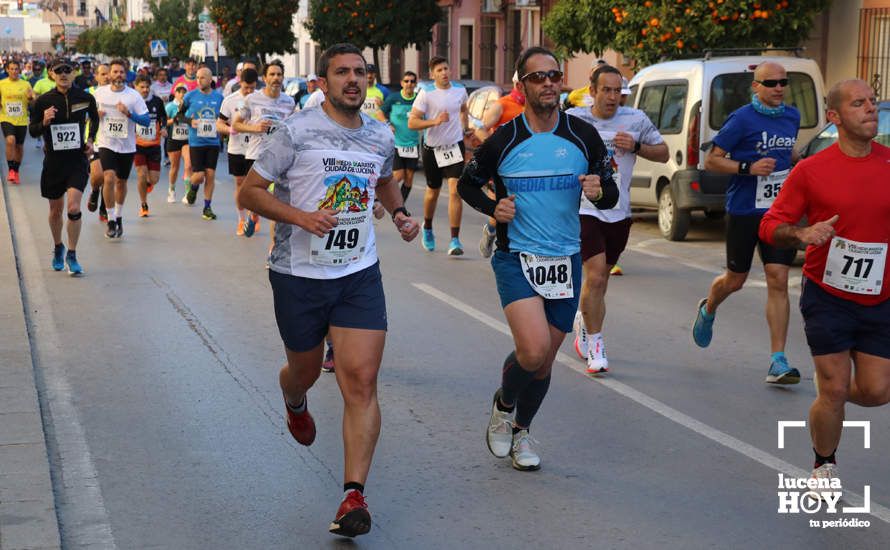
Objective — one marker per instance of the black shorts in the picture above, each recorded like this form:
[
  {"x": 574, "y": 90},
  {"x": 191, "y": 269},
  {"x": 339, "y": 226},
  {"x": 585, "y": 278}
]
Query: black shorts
[
  {"x": 148, "y": 156},
  {"x": 742, "y": 239},
  {"x": 19, "y": 132},
  {"x": 305, "y": 308},
  {"x": 174, "y": 145},
  {"x": 598, "y": 236},
  {"x": 434, "y": 174},
  {"x": 833, "y": 324},
  {"x": 404, "y": 163},
  {"x": 62, "y": 172},
  {"x": 203, "y": 158},
  {"x": 121, "y": 163},
  {"x": 239, "y": 165}
]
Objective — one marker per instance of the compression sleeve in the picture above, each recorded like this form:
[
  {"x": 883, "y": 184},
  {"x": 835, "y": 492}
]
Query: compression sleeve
[
  {"x": 142, "y": 120},
  {"x": 476, "y": 174}
]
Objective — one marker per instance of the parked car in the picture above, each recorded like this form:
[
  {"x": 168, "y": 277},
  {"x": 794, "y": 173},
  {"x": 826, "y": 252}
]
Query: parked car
[
  {"x": 828, "y": 135},
  {"x": 688, "y": 101}
]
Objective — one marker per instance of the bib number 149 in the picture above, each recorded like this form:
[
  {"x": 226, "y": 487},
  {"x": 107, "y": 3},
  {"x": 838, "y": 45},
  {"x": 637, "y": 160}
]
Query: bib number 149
[{"x": 342, "y": 239}]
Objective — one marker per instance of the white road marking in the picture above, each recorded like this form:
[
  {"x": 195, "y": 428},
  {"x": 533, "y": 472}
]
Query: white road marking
[
  {"x": 656, "y": 406},
  {"x": 86, "y": 518}
]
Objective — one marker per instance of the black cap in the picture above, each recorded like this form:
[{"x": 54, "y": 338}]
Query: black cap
[
  {"x": 59, "y": 62},
  {"x": 372, "y": 68}
]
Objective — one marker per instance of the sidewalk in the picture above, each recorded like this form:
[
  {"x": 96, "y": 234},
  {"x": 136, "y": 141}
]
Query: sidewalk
[{"x": 27, "y": 505}]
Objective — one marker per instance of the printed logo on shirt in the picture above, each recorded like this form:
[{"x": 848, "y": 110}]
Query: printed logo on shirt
[
  {"x": 768, "y": 142},
  {"x": 345, "y": 193},
  {"x": 79, "y": 107}
]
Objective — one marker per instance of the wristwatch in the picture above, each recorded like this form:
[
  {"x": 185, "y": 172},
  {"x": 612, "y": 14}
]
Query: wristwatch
[
  {"x": 744, "y": 167},
  {"x": 637, "y": 146}
]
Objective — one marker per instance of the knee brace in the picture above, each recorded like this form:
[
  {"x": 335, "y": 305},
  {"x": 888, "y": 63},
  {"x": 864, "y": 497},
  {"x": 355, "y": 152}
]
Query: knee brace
[{"x": 74, "y": 216}]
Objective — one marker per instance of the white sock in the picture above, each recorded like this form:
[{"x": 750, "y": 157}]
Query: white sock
[
  {"x": 595, "y": 336},
  {"x": 117, "y": 210}
]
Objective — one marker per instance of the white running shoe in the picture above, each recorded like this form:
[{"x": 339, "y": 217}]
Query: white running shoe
[
  {"x": 597, "y": 363},
  {"x": 524, "y": 457},
  {"x": 171, "y": 195},
  {"x": 827, "y": 471},
  {"x": 499, "y": 434},
  {"x": 580, "y": 335}
]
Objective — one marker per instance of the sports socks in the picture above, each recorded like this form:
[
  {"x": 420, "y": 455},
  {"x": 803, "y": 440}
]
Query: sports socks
[{"x": 514, "y": 380}]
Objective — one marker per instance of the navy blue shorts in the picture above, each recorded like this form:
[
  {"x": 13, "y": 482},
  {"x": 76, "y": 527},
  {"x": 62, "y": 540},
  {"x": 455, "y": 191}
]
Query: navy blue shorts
[
  {"x": 833, "y": 324},
  {"x": 513, "y": 286},
  {"x": 305, "y": 308}
]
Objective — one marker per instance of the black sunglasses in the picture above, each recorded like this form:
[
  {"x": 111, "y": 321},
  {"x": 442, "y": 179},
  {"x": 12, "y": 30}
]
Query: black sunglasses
[
  {"x": 63, "y": 69},
  {"x": 771, "y": 83},
  {"x": 538, "y": 77},
  {"x": 409, "y": 81}
]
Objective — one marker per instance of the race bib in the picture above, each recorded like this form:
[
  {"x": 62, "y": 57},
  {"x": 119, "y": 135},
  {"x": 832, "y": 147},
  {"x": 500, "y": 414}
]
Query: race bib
[
  {"x": 65, "y": 137},
  {"x": 343, "y": 244},
  {"x": 549, "y": 276},
  {"x": 115, "y": 127},
  {"x": 148, "y": 133},
  {"x": 446, "y": 155},
  {"x": 855, "y": 267},
  {"x": 407, "y": 152},
  {"x": 768, "y": 188},
  {"x": 370, "y": 107},
  {"x": 180, "y": 132},
  {"x": 14, "y": 109},
  {"x": 206, "y": 128}
]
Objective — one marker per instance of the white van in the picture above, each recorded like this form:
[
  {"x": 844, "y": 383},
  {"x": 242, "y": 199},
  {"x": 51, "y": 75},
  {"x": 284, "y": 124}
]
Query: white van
[{"x": 688, "y": 101}]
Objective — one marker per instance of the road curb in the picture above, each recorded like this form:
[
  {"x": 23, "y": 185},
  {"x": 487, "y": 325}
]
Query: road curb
[{"x": 27, "y": 504}]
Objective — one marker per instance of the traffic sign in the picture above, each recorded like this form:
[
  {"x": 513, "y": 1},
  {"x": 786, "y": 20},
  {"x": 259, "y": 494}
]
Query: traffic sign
[{"x": 159, "y": 48}]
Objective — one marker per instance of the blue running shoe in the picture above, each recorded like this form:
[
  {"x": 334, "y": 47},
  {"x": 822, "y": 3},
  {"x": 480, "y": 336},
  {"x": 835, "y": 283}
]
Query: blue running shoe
[
  {"x": 74, "y": 268},
  {"x": 781, "y": 373},
  {"x": 455, "y": 248},
  {"x": 249, "y": 226},
  {"x": 59, "y": 257},
  {"x": 428, "y": 240},
  {"x": 703, "y": 328}
]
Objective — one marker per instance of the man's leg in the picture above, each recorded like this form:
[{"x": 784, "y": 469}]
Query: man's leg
[
  {"x": 209, "y": 183},
  {"x": 827, "y": 411},
  {"x": 455, "y": 208},
  {"x": 300, "y": 373},
  {"x": 10, "y": 151},
  {"x": 108, "y": 188},
  {"x": 870, "y": 386},
  {"x": 593, "y": 292},
  {"x": 19, "y": 153},
  {"x": 142, "y": 184},
  {"x": 359, "y": 353},
  {"x": 778, "y": 307},
  {"x": 74, "y": 217},
  {"x": 722, "y": 287},
  {"x": 430, "y": 198},
  {"x": 55, "y": 219},
  {"x": 120, "y": 194}
]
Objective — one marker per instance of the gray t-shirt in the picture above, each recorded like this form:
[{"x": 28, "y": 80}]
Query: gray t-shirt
[{"x": 316, "y": 163}]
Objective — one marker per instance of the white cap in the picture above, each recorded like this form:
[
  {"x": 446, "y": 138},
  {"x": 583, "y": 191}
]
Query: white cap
[
  {"x": 239, "y": 66},
  {"x": 625, "y": 90},
  {"x": 515, "y": 77},
  {"x": 312, "y": 76}
]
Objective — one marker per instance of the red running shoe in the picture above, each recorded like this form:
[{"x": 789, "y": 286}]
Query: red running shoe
[
  {"x": 353, "y": 518},
  {"x": 13, "y": 176},
  {"x": 301, "y": 426}
]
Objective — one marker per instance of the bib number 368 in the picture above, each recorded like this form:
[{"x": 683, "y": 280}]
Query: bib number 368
[{"x": 549, "y": 276}]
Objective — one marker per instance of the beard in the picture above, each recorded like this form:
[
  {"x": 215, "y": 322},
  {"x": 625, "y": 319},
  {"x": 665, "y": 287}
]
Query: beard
[{"x": 342, "y": 105}]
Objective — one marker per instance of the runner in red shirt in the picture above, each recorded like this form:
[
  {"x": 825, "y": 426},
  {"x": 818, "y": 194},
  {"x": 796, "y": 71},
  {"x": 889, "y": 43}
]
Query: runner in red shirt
[{"x": 844, "y": 301}]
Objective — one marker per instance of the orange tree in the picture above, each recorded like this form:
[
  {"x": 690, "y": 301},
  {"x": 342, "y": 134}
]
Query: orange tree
[
  {"x": 373, "y": 24},
  {"x": 652, "y": 30},
  {"x": 255, "y": 27}
]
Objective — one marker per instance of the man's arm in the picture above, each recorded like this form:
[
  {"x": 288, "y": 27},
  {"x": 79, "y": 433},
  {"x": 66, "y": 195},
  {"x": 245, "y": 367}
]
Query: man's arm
[
  {"x": 417, "y": 122},
  {"x": 716, "y": 161},
  {"x": 35, "y": 128},
  {"x": 476, "y": 174},
  {"x": 391, "y": 199},
  {"x": 656, "y": 153},
  {"x": 93, "y": 112}
]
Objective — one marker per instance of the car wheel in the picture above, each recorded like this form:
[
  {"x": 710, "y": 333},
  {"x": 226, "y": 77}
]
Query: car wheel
[{"x": 672, "y": 221}]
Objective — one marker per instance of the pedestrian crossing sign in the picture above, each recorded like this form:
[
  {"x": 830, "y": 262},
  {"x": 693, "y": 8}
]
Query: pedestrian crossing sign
[{"x": 159, "y": 48}]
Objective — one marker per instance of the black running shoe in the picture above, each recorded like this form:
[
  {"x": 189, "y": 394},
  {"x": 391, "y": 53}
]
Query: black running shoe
[
  {"x": 119, "y": 228},
  {"x": 93, "y": 202},
  {"x": 111, "y": 232}
]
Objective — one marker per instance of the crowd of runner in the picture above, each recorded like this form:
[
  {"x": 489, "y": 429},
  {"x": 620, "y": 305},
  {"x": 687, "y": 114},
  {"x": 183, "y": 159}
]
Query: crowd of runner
[{"x": 555, "y": 184}]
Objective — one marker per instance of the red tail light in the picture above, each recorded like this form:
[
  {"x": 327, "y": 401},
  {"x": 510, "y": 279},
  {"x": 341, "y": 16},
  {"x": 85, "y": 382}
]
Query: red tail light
[{"x": 693, "y": 141}]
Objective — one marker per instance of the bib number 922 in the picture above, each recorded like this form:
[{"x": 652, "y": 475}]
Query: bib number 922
[{"x": 342, "y": 239}]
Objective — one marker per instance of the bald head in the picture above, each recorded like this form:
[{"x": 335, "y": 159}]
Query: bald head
[
  {"x": 769, "y": 72},
  {"x": 841, "y": 90},
  {"x": 205, "y": 78},
  {"x": 853, "y": 108}
]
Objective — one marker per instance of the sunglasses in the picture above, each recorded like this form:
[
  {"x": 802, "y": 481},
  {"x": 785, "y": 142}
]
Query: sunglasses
[
  {"x": 773, "y": 83},
  {"x": 538, "y": 77},
  {"x": 409, "y": 81},
  {"x": 64, "y": 69}
]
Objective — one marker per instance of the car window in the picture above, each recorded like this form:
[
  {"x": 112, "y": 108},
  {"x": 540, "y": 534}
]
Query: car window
[
  {"x": 632, "y": 98},
  {"x": 883, "y": 127},
  {"x": 733, "y": 90},
  {"x": 650, "y": 102}
]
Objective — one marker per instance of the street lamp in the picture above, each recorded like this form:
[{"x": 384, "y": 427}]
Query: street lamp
[{"x": 53, "y": 7}]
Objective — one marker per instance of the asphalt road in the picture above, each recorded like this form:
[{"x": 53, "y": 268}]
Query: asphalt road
[{"x": 158, "y": 376}]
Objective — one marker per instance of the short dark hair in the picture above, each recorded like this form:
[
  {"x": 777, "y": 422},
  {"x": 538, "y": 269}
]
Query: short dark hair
[
  {"x": 141, "y": 78},
  {"x": 436, "y": 60},
  {"x": 273, "y": 63},
  {"x": 14, "y": 62},
  {"x": 526, "y": 54},
  {"x": 409, "y": 73},
  {"x": 118, "y": 61},
  {"x": 249, "y": 60},
  {"x": 324, "y": 62},
  {"x": 601, "y": 70},
  {"x": 249, "y": 76}
]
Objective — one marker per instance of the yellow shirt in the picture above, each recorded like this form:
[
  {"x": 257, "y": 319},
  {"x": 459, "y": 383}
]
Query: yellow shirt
[
  {"x": 580, "y": 97},
  {"x": 14, "y": 103}
]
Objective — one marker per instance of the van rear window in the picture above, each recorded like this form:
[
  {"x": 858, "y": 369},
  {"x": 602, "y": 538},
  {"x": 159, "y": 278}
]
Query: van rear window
[{"x": 733, "y": 90}]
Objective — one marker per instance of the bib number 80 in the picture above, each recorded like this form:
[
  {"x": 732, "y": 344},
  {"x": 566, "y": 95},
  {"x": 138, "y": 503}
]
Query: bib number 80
[
  {"x": 342, "y": 239},
  {"x": 553, "y": 274}
]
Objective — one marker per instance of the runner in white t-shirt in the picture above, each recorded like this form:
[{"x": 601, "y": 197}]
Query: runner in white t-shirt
[
  {"x": 627, "y": 133},
  {"x": 238, "y": 165},
  {"x": 441, "y": 110},
  {"x": 327, "y": 165},
  {"x": 120, "y": 109}
]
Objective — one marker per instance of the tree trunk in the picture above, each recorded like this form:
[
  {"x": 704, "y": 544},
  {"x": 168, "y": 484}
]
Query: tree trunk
[{"x": 377, "y": 62}]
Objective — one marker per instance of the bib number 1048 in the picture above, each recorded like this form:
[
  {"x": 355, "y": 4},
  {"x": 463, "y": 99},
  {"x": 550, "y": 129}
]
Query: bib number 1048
[{"x": 550, "y": 274}]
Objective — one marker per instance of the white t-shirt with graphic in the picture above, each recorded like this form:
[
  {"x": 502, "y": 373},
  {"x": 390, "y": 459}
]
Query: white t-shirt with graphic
[
  {"x": 117, "y": 132},
  {"x": 431, "y": 101},
  {"x": 631, "y": 121},
  {"x": 316, "y": 163},
  {"x": 234, "y": 103},
  {"x": 257, "y": 107}
]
